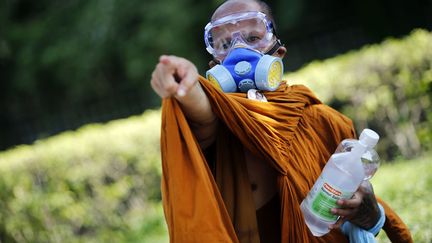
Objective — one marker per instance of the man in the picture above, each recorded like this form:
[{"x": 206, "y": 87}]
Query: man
[{"x": 264, "y": 157}]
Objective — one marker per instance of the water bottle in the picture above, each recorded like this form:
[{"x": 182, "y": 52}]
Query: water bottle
[
  {"x": 370, "y": 158},
  {"x": 340, "y": 178}
]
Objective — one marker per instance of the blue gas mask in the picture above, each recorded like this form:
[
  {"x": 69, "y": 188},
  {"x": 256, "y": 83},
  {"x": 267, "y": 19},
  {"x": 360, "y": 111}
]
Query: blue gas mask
[
  {"x": 241, "y": 41},
  {"x": 245, "y": 69}
]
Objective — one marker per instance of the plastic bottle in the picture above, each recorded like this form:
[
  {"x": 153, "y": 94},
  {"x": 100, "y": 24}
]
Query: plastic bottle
[
  {"x": 370, "y": 158},
  {"x": 339, "y": 179}
]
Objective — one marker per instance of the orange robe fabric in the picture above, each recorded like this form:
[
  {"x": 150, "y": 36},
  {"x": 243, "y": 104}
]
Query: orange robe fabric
[{"x": 293, "y": 131}]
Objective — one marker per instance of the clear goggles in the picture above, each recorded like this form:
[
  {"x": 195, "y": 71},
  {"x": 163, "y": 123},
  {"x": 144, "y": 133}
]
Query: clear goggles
[{"x": 250, "y": 29}]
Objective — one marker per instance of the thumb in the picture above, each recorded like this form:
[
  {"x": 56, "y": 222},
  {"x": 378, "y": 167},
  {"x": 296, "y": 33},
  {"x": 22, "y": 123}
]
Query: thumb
[{"x": 338, "y": 223}]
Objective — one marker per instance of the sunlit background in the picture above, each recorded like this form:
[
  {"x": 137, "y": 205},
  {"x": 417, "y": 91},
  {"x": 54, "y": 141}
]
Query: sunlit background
[{"x": 79, "y": 122}]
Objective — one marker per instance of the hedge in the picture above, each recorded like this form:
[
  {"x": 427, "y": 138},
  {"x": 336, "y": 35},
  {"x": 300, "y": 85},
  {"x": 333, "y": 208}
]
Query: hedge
[
  {"x": 98, "y": 184},
  {"x": 387, "y": 87}
]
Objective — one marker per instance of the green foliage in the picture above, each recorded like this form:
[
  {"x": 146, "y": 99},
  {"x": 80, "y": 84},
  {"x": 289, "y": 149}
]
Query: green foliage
[
  {"x": 81, "y": 51},
  {"x": 69, "y": 60},
  {"x": 386, "y": 87},
  {"x": 98, "y": 184},
  {"x": 407, "y": 187}
]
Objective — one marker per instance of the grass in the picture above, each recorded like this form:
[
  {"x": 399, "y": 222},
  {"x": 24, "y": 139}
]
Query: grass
[{"x": 407, "y": 187}]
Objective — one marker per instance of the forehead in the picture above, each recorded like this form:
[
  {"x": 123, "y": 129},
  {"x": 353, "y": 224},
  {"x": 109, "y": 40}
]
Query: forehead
[
  {"x": 248, "y": 25},
  {"x": 235, "y": 6},
  {"x": 246, "y": 28}
]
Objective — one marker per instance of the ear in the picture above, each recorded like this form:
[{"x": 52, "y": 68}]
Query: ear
[{"x": 280, "y": 52}]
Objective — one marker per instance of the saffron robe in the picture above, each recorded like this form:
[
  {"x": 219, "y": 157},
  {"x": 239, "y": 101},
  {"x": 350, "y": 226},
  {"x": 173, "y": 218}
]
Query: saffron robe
[{"x": 293, "y": 131}]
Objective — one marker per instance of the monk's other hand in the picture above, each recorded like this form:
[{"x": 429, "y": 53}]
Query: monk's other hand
[
  {"x": 361, "y": 210},
  {"x": 174, "y": 76}
]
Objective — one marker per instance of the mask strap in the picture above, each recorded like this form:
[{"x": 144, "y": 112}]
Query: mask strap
[
  {"x": 216, "y": 61},
  {"x": 274, "y": 48}
]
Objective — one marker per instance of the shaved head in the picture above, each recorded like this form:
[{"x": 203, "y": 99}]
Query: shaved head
[
  {"x": 237, "y": 6},
  {"x": 230, "y": 7}
]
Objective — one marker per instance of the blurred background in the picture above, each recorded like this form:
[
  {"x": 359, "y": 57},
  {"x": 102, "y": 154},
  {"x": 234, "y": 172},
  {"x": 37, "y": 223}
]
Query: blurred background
[
  {"x": 67, "y": 63},
  {"x": 75, "y": 81}
]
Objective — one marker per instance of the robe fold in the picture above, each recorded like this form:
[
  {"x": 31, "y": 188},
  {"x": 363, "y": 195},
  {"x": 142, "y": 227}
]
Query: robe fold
[{"x": 293, "y": 132}]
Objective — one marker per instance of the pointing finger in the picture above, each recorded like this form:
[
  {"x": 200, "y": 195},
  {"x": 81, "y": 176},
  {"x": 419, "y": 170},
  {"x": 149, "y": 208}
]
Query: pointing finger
[
  {"x": 175, "y": 66},
  {"x": 163, "y": 81}
]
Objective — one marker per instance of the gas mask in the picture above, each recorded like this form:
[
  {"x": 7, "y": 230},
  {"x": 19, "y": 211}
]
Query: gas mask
[
  {"x": 240, "y": 42},
  {"x": 245, "y": 69}
]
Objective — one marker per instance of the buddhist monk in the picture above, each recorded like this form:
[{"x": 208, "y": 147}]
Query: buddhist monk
[{"x": 236, "y": 166}]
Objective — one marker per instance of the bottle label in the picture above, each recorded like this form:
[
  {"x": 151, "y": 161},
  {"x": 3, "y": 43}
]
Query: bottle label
[{"x": 324, "y": 197}]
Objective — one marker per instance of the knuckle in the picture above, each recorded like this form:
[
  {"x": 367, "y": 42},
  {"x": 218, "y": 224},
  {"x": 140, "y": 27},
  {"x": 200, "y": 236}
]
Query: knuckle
[
  {"x": 159, "y": 66},
  {"x": 159, "y": 92},
  {"x": 170, "y": 87},
  {"x": 154, "y": 84},
  {"x": 153, "y": 76}
]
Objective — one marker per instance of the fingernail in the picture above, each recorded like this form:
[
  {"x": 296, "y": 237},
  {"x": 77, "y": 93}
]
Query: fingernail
[
  {"x": 339, "y": 202},
  {"x": 163, "y": 58},
  {"x": 333, "y": 211},
  {"x": 181, "y": 92}
]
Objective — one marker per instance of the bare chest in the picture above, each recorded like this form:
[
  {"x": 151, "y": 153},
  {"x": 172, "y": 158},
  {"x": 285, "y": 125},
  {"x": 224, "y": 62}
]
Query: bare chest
[{"x": 262, "y": 178}]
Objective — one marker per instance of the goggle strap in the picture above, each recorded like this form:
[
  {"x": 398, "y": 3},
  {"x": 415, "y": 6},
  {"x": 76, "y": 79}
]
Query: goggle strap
[{"x": 274, "y": 48}]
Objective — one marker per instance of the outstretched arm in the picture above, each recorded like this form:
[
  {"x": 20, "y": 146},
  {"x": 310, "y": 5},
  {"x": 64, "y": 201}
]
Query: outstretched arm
[{"x": 177, "y": 77}]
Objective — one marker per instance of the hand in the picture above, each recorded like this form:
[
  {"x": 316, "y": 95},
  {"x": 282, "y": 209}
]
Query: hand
[
  {"x": 173, "y": 76},
  {"x": 362, "y": 209}
]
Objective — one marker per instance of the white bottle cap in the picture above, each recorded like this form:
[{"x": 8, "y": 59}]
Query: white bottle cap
[{"x": 369, "y": 138}]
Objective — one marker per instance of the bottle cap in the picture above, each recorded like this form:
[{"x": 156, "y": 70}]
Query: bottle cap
[{"x": 369, "y": 138}]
